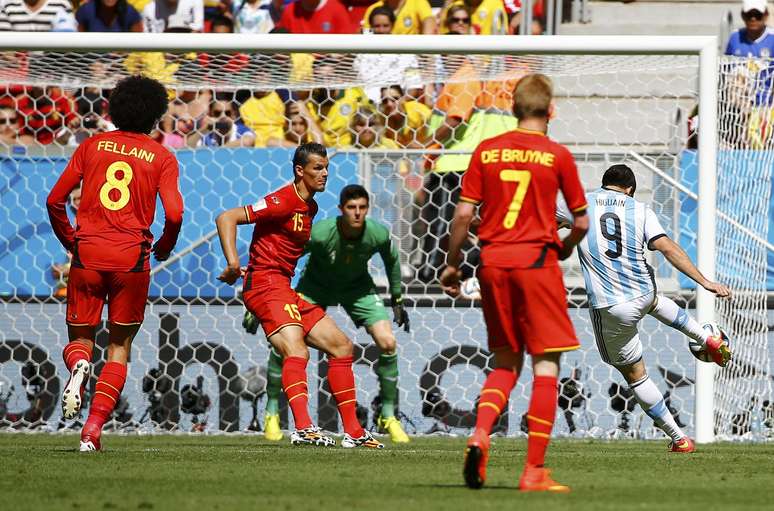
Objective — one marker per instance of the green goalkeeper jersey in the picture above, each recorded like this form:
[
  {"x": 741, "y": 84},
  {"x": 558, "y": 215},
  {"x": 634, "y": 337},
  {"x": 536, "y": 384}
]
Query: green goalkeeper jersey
[{"x": 337, "y": 269}]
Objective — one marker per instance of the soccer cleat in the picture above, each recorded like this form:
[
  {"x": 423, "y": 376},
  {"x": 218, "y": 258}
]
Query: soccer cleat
[
  {"x": 684, "y": 445},
  {"x": 272, "y": 429},
  {"x": 539, "y": 479},
  {"x": 392, "y": 426},
  {"x": 476, "y": 458},
  {"x": 311, "y": 436},
  {"x": 367, "y": 441},
  {"x": 72, "y": 397},
  {"x": 718, "y": 348},
  {"x": 90, "y": 438}
]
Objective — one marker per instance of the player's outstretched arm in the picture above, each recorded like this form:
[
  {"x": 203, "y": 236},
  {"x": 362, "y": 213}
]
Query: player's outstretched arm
[
  {"x": 227, "y": 227},
  {"x": 680, "y": 260},
  {"x": 463, "y": 216}
]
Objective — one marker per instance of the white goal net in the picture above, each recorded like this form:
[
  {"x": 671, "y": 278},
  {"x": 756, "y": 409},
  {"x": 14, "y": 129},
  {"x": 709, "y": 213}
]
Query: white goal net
[{"x": 233, "y": 121}]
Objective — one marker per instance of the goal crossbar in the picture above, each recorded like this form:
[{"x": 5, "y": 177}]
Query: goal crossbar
[{"x": 348, "y": 43}]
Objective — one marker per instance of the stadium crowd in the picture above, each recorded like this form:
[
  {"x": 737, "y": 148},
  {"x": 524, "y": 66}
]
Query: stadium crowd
[{"x": 389, "y": 118}]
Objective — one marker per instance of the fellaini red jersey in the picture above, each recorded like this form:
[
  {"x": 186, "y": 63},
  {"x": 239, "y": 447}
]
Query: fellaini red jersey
[
  {"x": 283, "y": 224},
  {"x": 516, "y": 177},
  {"x": 121, "y": 174}
]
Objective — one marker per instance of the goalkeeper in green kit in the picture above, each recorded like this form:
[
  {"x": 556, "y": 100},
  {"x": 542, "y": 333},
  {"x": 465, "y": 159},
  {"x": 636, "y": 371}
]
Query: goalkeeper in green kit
[{"x": 337, "y": 274}]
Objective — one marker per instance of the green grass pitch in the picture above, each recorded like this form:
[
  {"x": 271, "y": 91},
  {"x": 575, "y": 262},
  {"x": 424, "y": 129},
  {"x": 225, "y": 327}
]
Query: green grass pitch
[{"x": 42, "y": 472}]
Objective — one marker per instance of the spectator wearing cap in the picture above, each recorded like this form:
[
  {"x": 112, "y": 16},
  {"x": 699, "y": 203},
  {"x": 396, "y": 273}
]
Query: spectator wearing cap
[
  {"x": 411, "y": 17},
  {"x": 749, "y": 83},
  {"x": 755, "y": 39}
]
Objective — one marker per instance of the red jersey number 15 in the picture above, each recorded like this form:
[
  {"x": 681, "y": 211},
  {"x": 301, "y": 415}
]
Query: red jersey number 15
[
  {"x": 298, "y": 222},
  {"x": 114, "y": 183},
  {"x": 522, "y": 179}
]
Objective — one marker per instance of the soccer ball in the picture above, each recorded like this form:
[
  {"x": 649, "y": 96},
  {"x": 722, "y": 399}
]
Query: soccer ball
[
  {"x": 697, "y": 348},
  {"x": 470, "y": 289}
]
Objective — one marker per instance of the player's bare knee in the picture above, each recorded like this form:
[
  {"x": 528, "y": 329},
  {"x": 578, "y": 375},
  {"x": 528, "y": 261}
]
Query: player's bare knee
[
  {"x": 633, "y": 372},
  {"x": 507, "y": 359},
  {"x": 387, "y": 343},
  {"x": 339, "y": 345},
  {"x": 546, "y": 364}
]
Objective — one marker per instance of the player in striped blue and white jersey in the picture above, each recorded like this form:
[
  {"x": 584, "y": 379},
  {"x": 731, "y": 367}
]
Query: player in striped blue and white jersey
[{"x": 622, "y": 290}]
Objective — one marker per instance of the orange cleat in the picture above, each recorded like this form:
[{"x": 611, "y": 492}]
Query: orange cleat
[
  {"x": 684, "y": 445},
  {"x": 539, "y": 479},
  {"x": 476, "y": 457}
]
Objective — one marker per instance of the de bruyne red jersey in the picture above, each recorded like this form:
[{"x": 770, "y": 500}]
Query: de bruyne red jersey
[
  {"x": 515, "y": 177},
  {"x": 120, "y": 174},
  {"x": 283, "y": 224}
]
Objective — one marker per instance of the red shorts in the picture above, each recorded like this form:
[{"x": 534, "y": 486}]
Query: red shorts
[
  {"x": 87, "y": 290},
  {"x": 526, "y": 309},
  {"x": 277, "y": 305}
]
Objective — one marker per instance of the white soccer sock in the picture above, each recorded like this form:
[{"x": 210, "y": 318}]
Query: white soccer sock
[
  {"x": 670, "y": 314},
  {"x": 652, "y": 401}
]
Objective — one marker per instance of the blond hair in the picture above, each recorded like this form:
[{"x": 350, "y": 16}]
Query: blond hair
[{"x": 532, "y": 96}]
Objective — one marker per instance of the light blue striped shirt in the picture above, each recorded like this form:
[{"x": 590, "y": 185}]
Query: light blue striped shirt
[{"x": 612, "y": 255}]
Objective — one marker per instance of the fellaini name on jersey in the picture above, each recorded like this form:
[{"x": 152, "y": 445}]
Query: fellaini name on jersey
[
  {"x": 517, "y": 156},
  {"x": 112, "y": 147}
]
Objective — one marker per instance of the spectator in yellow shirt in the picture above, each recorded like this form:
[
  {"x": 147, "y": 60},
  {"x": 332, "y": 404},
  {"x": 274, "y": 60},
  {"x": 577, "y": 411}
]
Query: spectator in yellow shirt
[
  {"x": 405, "y": 118},
  {"x": 412, "y": 17},
  {"x": 264, "y": 113},
  {"x": 332, "y": 109},
  {"x": 367, "y": 131}
]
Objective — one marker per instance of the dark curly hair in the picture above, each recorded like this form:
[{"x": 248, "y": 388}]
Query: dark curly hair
[{"x": 137, "y": 103}]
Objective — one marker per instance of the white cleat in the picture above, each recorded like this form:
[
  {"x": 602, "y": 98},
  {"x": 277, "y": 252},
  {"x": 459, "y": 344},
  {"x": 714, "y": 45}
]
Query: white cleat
[
  {"x": 71, "y": 397},
  {"x": 311, "y": 436},
  {"x": 367, "y": 441},
  {"x": 88, "y": 446}
]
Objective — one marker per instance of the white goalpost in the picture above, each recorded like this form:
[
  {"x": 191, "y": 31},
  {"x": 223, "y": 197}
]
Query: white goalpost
[{"x": 443, "y": 355}]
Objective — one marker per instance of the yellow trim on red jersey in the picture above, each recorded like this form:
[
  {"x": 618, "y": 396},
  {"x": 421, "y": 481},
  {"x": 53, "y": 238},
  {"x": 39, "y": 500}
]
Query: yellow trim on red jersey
[
  {"x": 469, "y": 200},
  {"x": 534, "y": 132},
  {"x": 283, "y": 326},
  {"x": 581, "y": 208},
  {"x": 556, "y": 350},
  {"x": 296, "y": 190}
]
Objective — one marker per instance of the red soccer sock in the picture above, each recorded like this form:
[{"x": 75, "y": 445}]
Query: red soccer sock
[
  {"x": 494, "y": 397},
  {"x": 106, "y": 393},
  {"x": 342, "y": 383},
  {"x": 75, "y": 351},
  {"x": 294, "y": 383},
  {"x": 540, "y": 418}
]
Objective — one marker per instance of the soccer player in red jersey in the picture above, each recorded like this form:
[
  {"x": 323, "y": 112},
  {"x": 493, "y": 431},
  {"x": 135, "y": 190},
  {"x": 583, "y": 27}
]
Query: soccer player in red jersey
[
  {"x": 121, "y": 172},
  {"x": 283, "y": 224},
  {"x": 515, "y": 177}
]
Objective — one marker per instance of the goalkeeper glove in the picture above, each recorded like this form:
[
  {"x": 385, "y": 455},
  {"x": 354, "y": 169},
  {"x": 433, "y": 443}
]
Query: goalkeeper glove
[
  {"x": 250, "y": 322},
  {"x": 400, "y": 314}
]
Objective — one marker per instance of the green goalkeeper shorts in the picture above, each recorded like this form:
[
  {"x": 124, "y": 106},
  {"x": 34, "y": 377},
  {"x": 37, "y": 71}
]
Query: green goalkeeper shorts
[{"x": 365, "y": 310}]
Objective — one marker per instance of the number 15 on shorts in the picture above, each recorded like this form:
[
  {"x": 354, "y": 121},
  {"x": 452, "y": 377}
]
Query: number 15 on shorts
[{"x": 292, "y": 310}]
